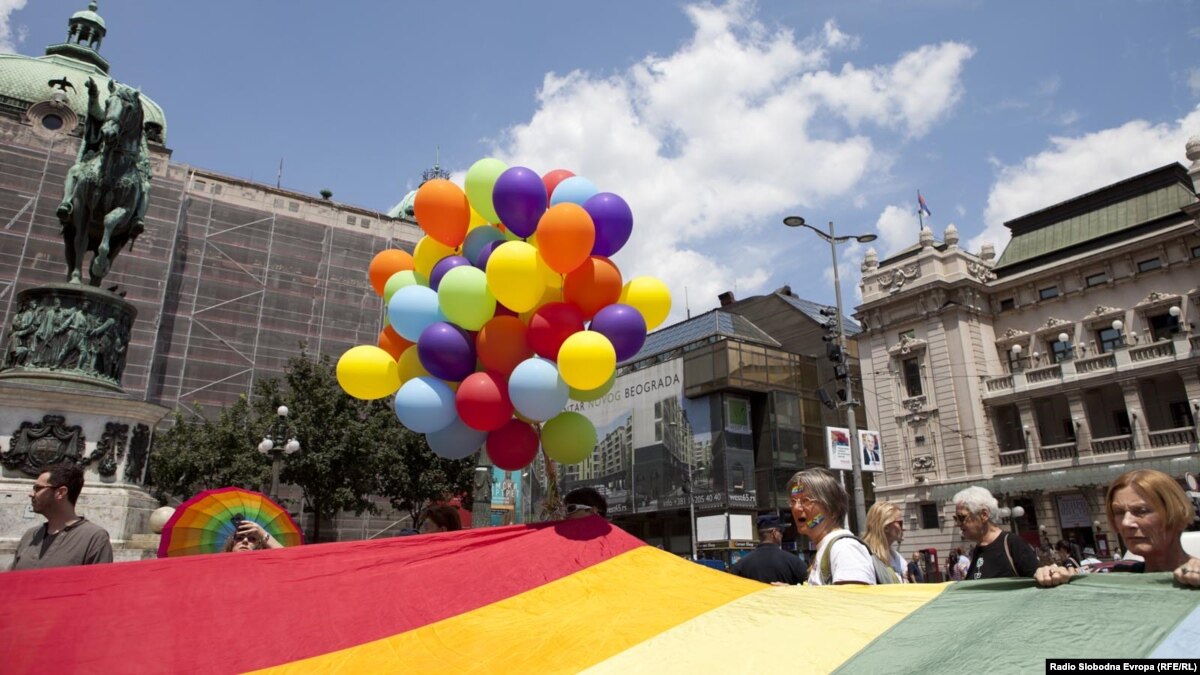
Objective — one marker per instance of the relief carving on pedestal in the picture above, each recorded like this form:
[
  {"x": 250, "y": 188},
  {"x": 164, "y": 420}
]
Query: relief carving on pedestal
[{"x": 38, "y": 444}]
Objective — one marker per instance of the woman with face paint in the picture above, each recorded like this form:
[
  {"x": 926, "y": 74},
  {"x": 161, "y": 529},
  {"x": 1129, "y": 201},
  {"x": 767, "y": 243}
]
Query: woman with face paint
[{"x": 819, "y": 502}]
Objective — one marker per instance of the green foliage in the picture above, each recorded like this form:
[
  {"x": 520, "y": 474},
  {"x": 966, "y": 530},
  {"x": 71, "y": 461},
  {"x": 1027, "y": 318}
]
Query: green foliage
[
  {"x": 349, "y": 449},
  {"x": 198, "y": 454}
]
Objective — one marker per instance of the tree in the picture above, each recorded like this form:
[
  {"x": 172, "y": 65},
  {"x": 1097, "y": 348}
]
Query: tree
[
  {"x": 412, "y": 476},
  {"x": 198, "y": 454}
]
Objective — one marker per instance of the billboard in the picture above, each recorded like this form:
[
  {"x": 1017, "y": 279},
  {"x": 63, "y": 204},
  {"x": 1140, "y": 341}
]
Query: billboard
[
  {"x": 837, "y": 447},
  {"x": 656, "y": 447}
]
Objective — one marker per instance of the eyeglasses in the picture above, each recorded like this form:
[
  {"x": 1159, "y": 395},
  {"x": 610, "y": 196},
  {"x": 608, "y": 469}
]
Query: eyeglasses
[
  {"x": 252, "y": 538},
  {"x": 959, "y": 519},
  {"x": 572, "y": 508}
]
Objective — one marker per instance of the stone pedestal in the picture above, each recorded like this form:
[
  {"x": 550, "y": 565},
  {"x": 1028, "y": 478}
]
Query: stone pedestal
[{"x": 107, "y": 432}]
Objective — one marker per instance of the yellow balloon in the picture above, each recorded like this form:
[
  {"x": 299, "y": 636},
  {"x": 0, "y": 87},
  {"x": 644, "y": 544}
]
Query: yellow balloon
[
  {"x": 549, "y": 295},
  {"x": 513, "y": 276},
  {"x": 410, "y": 366},
  {"x": 367, "y": 372},
  {"x": 427, "y": 254},
  {"x": 650, "y": 297},
  {"x": 586, "y": 360},
  {"x": 476, "y": 220},
  {"x": 551, "y": 278}
]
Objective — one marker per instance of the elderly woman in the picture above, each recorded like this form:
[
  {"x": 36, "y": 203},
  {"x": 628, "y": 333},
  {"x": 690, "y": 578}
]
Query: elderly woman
[
  {"x": 885, "y": 531},
  {"x": 1149, "y": 510},
  {"x": 250, "y": 536},
  {"x": 818, "y": 503}
]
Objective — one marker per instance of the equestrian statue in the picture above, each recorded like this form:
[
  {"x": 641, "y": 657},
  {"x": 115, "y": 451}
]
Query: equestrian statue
[{"x": 108, "y": 188}]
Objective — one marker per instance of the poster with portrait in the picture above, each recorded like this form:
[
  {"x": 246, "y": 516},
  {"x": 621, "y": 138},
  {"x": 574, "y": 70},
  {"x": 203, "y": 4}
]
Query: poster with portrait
[{"x": 872, "y": 450}]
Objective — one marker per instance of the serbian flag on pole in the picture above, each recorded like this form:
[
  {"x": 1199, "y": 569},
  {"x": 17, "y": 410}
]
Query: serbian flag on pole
[{"x": 922, "y": 207}]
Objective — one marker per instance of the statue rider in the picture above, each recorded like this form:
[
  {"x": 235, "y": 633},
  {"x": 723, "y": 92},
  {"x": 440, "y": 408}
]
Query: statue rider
[{"x": 89, "y": 147}]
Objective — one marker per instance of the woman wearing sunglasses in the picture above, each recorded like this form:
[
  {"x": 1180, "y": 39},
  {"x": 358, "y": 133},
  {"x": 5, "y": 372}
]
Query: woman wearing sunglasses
[
  {"x": 250, "y": 536},
  {"x": 583, "y": 502}
]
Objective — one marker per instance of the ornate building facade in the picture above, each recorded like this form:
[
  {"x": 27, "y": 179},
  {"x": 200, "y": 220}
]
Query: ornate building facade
[{"x": 1045, "y": 373}]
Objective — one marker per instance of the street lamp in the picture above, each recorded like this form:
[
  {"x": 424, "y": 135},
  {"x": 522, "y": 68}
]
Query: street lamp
[
  {"x": 274, "y": 446},
  {"x": 860, "y": 507}
]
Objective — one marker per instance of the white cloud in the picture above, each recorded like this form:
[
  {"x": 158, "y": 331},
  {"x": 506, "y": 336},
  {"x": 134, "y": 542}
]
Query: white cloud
[
  {"x": 711, "y": 143},
  {"x": 1072, "y": 166},
  {"x": 1194, "y": 81},
  {"x": 898, "y": 228},
  {"x": 9, "y": 41}
]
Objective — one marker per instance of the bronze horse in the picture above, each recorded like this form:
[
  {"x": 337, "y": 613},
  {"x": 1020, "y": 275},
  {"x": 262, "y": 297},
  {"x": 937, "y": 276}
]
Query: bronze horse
[{"x": 107, "y": 189}]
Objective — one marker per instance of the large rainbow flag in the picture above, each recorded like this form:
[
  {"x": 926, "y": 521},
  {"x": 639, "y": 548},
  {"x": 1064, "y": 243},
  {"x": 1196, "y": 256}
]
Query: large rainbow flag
[{"x": 572, "y": 596}]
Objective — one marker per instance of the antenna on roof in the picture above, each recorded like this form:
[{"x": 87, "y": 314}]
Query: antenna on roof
[{"x": 686, "y": 303}]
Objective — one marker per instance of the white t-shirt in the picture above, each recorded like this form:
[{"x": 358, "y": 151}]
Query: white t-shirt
[
  {"x": 900, "y": 565},
  {"x": 848, "y": 561}
]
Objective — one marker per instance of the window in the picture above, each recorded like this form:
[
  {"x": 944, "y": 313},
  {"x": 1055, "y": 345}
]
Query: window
[
  {"x": 294, "y": 207},
  {"x": 1014, "y": 360},
  {"x": 350, "y": 220},
  {"x": 1150, "y": 264},
  {"x": 1007, "y": 304},
  {"x": 929, "y": 517},
  {"x": 1048, "y": 292},
  {"x": 1096, "y": 279},
  {"x": 1181, "y": 414},
  {"x": 912, "y": 376},
  {"x": 1109, "y": 340},
  {"x": 365, "y": 222},
  {"x": 52, "y": 122},
  {"x": 216, "y": 189},
  {"x": 919, "y": 440},
  {"x": 1059, "y": 351},
  {"x": 1163, "y": 326},
  {"x": 1196, "y": 251}
]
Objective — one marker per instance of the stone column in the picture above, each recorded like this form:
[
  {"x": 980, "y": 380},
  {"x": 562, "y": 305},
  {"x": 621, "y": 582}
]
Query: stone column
[
  {"x": 1137, "y": 415},
  {"x": 1083, "y": 430},
  {"x": 1029, "y": 429}
]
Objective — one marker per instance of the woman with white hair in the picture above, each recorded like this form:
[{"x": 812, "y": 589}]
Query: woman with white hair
[{"x": 997, "y": 553}]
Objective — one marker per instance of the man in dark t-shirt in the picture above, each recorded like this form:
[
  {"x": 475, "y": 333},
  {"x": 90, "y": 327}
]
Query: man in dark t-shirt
[
  {"x": 997, "y": 553},
  {"x": 769, "y": 563},
  {"x": 65, "y": 538}
]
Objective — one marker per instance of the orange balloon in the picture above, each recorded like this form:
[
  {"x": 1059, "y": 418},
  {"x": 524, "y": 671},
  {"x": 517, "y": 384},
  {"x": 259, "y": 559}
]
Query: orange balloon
[
  {"x": 391, "y": 342},
  {"x": 592, "y": 286},
  {"x": 385, "y": 264},
  {"x": 565, "y": 236},
  {"x": 442, "y": 210},
  {"x": 501, "y": 345}
]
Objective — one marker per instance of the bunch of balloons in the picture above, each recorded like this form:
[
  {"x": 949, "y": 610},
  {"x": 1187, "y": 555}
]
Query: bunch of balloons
[{"x": 508, "y": 308}]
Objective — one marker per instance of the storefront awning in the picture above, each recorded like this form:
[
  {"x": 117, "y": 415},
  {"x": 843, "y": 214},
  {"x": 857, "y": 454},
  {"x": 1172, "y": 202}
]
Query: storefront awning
[{"x": 1097, "y": 474}]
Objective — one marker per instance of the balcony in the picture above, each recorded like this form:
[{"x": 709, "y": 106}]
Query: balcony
[
  {"x": 1050, "y": 453},
  {"x": 1013, "y": 457},
  {"x": 1169, "y": 437},
  {"x": 1111, "y": 444},
  {"x": 1002, "y": 383},
  {"x": 1046, "y": 374},
  {"x": 1096, "y": 364},
  {"x": 1155, "y": 350}
]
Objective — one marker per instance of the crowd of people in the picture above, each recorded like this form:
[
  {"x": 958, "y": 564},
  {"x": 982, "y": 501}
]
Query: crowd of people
[{"x": 1146, "y": 508}]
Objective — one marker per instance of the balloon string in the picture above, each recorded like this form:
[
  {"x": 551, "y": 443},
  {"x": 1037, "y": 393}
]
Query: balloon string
[{"x": 550, "y": 510}]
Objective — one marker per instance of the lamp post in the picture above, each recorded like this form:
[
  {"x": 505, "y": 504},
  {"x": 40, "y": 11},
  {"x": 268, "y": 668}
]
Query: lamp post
[
  {"x": 860, "y": 507},
  {"x": 276, "y": 444}
]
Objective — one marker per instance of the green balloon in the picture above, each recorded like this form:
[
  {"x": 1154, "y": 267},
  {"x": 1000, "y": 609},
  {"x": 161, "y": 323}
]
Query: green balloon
[
  {"x": 594, "y": 394},
  {"x": 464, "y": 297},
  {"x": 399, "y": 280},
  {"x": 568, "y": 438},
  {"x": 481, "y": 178}
]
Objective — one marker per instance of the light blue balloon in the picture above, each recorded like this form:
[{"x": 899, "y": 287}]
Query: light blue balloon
[
  {"x": 456, "y": 441},
  {"x": 478, "y": 238},
  {"x": 412, "y": 309},
  {"x": 536, "y": 389},
  {"x": 575, "y": 190},
  {"x": 425, "y": 405}
]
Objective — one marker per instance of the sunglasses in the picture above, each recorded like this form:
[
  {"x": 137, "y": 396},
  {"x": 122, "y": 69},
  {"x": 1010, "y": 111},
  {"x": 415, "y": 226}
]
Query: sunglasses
[
  {"x": 962, "y": 519},
  {"x": 252, "y": 538},
  {"x": 572, "y": 508}
]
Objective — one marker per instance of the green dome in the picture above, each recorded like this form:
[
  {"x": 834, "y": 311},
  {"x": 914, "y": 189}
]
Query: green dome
[
  {"x": 26, "y": 80},
  {"x": 89, "y": 14},
  {"x": 405, "y": 208}
]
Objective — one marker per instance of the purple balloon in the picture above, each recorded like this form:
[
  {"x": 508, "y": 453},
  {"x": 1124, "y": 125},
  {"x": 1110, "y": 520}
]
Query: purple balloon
[
  {"x": 613, "y": 220},
  {"x": 485, "y": 253},
  {"x": 623, "y": 326},
  {"x": 446, "y": 351},
  {"x": 445, "y": 265},
  {"x": 519, "y": 198}
]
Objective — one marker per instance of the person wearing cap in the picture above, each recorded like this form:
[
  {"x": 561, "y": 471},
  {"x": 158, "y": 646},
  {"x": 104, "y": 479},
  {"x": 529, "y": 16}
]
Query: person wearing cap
[
  {"x": 583, "y": 502},
  {"x": 769, "y": 563}
]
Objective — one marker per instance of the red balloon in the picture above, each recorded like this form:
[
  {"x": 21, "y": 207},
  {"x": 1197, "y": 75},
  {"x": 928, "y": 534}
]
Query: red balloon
[
  {"x": 482, "y": 401},
  {"x": 552, "y": 179},
  {"x": 513, "y": 446},
  {"x": 592, "y": 286},
  {"x": 551, "y": 325},
  {"x": 501, "y": 345}
]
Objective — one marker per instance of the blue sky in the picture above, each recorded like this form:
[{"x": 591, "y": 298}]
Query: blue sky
[{"x": 713, "y": 120}]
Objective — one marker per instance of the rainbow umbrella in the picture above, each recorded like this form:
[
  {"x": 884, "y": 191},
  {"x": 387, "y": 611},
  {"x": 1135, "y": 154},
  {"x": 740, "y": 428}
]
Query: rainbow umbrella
[{"x": 204, "y": 523}]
